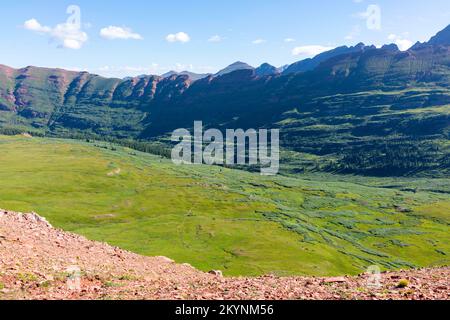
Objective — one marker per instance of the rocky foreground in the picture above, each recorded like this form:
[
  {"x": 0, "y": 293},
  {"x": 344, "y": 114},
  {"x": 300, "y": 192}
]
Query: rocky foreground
[{"x": 38, "y": 261}]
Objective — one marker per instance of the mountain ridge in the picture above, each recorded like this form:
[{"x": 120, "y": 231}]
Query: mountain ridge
[
  {"x": 194, "y": 76},
  {"x": 236, "y": 66},
  {"x": 311, "y": 63},
  {"x": 344, "y": 96},
  {"x": 441, "y": 38}
]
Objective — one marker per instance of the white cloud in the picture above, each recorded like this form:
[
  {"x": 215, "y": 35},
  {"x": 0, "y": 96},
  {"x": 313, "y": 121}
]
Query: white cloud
[
  {"x": 183, "y": 67},
  {"x": 125, "y": 71},
  {"x": 289, "y": 40},
  {"x": 392, "y": 37},
  {"x": 402, "y": 43},
  {"x": 68, "y": 35},
  {"x": 74, "y": 68},
  {"x": 113, "y": 32},
  {"x": 72, "y": 44},
  {"x": 34, "y": 25},
  {"x": 151, "y": 69},
  {"x": 309, "y": 51},
  {"x": 215, "y": 38},
  {"x": 258, "y": 41},
  {"x": 178, "y": 37}
]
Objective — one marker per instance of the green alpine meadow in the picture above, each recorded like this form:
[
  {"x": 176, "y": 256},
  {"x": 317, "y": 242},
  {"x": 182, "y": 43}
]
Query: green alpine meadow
[{"x": 231, "y": 220}]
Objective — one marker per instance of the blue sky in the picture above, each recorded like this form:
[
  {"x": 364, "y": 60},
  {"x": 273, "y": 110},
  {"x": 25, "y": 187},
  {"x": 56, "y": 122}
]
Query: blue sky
[{"x": 127, "y": 38}]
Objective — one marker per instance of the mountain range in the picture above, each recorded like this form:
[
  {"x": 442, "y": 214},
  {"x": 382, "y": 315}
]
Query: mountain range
[{"x": 352, "y": 109}]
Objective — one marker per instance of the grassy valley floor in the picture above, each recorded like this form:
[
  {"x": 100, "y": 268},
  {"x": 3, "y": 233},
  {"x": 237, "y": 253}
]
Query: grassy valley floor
[{"x": 230, "y": 220}]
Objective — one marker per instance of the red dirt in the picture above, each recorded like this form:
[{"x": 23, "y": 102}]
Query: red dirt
[{"x": 34, "y": 259}]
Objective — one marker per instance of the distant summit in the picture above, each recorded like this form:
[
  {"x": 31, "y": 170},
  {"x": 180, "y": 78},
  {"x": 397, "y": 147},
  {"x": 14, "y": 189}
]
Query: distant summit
[
  {"x": 234, "y": 67},
  {"x": 266, "y": 70},
  {"x": 390, "y": 47}
]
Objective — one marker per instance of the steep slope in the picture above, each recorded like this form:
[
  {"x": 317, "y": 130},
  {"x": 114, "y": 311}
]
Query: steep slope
[
  {"x": 70, "y": 102},
  {"x": 441, "y": 38},
  {"x": 311, "y": 63},
  {"x": 7, "y": 79},
  {"x": 33, "y": 93}
]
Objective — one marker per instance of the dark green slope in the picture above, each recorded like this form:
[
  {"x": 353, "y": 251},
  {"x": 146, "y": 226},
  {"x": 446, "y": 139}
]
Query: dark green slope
[{"x": 380, "y": 111}]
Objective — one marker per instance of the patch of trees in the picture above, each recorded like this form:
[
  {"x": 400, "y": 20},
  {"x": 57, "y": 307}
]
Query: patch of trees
[{"x": 392, "y": 158}]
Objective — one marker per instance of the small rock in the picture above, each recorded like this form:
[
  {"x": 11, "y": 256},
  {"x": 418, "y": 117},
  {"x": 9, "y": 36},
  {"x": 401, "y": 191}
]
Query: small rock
[
  {"x": 217, "y": 273},
  {"x": 335, "y": 280},
  {"x": 165, "y": 259},
  {"x": 402, "y": 209}
]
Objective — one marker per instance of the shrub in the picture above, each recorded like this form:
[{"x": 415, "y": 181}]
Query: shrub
[{"x": 403, "y": 283}]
